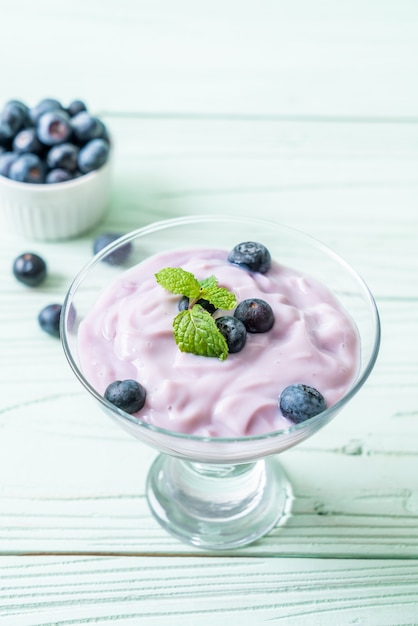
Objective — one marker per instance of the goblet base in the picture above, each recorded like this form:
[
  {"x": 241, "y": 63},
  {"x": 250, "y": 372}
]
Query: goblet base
[{"x": 218, "y": 507}]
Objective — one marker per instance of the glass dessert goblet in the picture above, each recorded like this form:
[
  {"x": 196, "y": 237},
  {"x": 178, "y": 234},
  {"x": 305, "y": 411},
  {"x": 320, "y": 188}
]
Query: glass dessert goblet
[{"x": 221, "y": 492}]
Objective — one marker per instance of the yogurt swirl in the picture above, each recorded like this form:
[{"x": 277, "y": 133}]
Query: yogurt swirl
[{"x": 128, "y": 334}]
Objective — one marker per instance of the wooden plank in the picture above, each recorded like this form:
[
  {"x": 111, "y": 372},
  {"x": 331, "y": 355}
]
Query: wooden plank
[
  {"x": 355, "y": 59},
  {"x": 72, "y": 481},
  {"x": 354, "y": 485},
  {"x": 298, "y": 111},
  {"x": 58, "y": 591}
]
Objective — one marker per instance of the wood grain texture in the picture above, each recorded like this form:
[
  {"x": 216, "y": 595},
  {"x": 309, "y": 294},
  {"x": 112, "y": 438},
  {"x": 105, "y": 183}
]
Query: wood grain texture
[
  {"x": 301, "y": 112},
  {"x": 67, "y": 591},
  {"x": 73, "y": 482},
  {"x": 272, "y": 57}
]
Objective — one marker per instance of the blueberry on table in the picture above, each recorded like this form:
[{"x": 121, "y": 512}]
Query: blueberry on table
[
  {"x": 301, "y": 402},
  {"x": 49, "y": 319},
  {"x": 256, "y": 315},
  {"x": 251, "y": 256},
  {"x": 64, "y": 155},
  {"x": 30, "y": 269},
  {"x": 93, "y": 155},
  {"x": 54, "y": 127},
  {"x": 127, "y": 395},
  {"x": 28, "y": 168},
  {"x": 184, "y": 301},
  {"x": 234, "y": 332},
  {"x": 118, "y": 256}
]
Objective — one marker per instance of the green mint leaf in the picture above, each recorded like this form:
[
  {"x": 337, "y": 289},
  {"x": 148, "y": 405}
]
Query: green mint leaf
[
  {"x": 178, "y": 281},
  {"x": 207, "y": 283},
  {"x": 220, "y": 297},
  {"x": 195, "y": 331}
]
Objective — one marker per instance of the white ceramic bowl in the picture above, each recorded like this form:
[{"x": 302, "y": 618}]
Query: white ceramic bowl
[{"x": 50, "y": 212}]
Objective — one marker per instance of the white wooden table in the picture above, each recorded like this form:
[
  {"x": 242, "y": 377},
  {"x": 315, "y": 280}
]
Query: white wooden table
[{"x": 305, "y": 112}]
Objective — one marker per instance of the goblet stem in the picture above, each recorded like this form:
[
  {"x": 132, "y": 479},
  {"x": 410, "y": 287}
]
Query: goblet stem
[{"x": 218, "y": 507}]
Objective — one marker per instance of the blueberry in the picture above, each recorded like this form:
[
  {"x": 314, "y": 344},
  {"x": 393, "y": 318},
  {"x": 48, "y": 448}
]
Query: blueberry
[
  {"x": 128, "y": 395},
  {"x": 6, "y": 160},
  {"x": 27, "y": 140},
  {"x": 44, "y": 106},
  {"x": 208, "y": 306},
  {"x": 252, "y": 256},
  {"x": 28, "y": 168},
  {"x": 63, "y": 155},
  {"x": 118, "y": 256},
  {"x": 300, "y": 402},
  {"x": 58, "y": 175},
  {"x": 93, "y": 155},
  {"x": 30, "y": 269},
  {"x": 6, "y": 135},
  {"x": 87, "y": 127},
  {"x": 46, "y": 130},
  {"x": 21, "y": 105},
  {"x": 234, "y": 332},
  {"x": 54, "y": 127},
  {"x": 15, "y": 114},
  {"x": 256, "y": 315},
  {"x": 75, "y": 107},
  {"x": 49, "y": 319}
]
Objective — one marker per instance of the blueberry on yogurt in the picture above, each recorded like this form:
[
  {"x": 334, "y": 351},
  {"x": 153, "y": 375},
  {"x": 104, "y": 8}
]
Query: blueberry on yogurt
[
  {"x": 301, "y": 402},
  {"x": 252, "y": 256},
  {"x": 256, "y": 315},
  {"x": 127, "y": 395},
  {"x": 234, "y": 332},
  {"x": 184, "y": 302}
]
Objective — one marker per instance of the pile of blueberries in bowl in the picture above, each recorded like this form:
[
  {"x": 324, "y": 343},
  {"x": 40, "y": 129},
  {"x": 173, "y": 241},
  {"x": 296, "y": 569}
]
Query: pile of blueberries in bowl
[
  {"x": 50, "y": 143},
  {"x": 55, "y": 169}
]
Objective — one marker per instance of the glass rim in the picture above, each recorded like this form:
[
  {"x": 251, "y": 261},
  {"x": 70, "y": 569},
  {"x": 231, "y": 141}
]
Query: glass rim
[{"x": 186, "y": 437}]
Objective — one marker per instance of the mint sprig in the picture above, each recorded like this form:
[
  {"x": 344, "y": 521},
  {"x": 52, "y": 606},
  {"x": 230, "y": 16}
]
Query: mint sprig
[
  {"x": 194, "y": 329},
  {"x": 177, "y": 280},
  {"x": 220, "y": 297}
]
